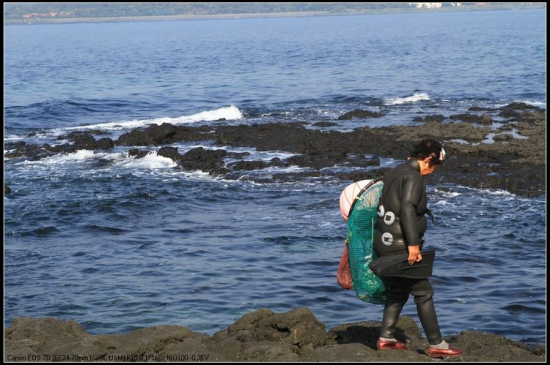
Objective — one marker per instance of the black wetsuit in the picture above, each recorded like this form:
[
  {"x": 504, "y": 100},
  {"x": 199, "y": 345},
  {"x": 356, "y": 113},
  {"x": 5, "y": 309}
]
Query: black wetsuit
[{"x": 402, "y": 222}]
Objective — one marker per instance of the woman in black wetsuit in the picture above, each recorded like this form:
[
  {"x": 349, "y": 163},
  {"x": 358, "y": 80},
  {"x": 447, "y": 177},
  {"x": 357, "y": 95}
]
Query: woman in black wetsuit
[{"x": 400, "y": 228}]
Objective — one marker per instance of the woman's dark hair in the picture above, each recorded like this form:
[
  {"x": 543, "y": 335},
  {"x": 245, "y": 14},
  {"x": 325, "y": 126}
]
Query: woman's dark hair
[{"x": 429, "y": 148}]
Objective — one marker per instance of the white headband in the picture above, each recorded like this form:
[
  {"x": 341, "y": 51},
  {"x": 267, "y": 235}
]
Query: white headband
[{"x": 442, "y": 155}]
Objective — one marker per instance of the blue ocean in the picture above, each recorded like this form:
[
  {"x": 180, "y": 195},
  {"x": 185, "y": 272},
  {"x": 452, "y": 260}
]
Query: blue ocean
[{"x": 117, "y": 243}]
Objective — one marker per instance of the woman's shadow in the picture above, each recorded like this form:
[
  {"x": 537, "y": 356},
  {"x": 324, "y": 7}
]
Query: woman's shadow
[{"x": 367, "y": 333}]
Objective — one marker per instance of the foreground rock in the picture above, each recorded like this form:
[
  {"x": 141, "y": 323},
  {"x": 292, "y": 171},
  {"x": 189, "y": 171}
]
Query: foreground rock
[{"x": 260, "y": 336}]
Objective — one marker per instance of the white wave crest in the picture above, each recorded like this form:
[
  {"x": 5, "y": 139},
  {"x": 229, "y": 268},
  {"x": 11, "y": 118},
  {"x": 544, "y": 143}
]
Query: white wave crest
[
  {"x": 227, "y": 113},
  {"x": 79, "y": 155},
  {"x": 409, "y": 99},
  {"x": 540, "y": 104},
  {"x": 151, "y": 161}
]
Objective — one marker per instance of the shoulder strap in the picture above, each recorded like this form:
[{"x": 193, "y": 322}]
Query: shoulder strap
[{"x": 374, "y": 181}]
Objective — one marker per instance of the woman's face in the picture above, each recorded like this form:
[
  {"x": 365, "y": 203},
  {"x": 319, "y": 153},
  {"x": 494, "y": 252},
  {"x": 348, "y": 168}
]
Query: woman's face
[
  {"x": 425, "y": 167},
  {"x": 428, "y": 170}
]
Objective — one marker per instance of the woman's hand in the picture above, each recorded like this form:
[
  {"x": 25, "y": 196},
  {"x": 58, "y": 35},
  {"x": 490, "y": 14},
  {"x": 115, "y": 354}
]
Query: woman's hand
[{"x": 414, "y": 254}]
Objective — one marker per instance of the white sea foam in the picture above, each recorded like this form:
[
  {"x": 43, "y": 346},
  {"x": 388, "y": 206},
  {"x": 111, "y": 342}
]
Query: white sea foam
[
  {"x": 80, "y": 155},
  {"x": 409, "y": 99},
  {"x": 389, "y": 162},
  {"x": 534, "y": 103},
  {"x": 446, "y": 194},
  {"x": 254, "y": 154},
  {"x": 150, "y": 161},
  {"x": 540, "y": 104}
]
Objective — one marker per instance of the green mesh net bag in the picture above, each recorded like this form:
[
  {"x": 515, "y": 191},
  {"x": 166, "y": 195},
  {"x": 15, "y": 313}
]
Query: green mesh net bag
[{"x": 360, "y": 235}]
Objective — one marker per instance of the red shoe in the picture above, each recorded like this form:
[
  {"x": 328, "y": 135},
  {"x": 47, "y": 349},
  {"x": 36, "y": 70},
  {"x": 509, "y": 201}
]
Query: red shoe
[
  {"x": 451, "y": 351},
  {"x": 390, "y": 345}
]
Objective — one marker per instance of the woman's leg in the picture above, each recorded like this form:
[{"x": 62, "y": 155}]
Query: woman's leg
[
  {"x": 397, "y": 297},
  {"x": 423, "y": 297}
]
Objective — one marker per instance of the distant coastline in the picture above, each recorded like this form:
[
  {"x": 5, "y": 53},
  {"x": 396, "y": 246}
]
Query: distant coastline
[
  {"x": 160, "y": 18},
  {"x": 181, "y": 17}
]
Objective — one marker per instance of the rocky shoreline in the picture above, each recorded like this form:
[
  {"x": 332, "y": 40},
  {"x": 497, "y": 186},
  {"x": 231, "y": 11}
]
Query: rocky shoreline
[
  {"x": 259, "y": 336},
  {"x": 514, "y": 160}
]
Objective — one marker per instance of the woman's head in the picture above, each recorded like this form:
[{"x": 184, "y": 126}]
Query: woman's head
[{"x": 429, "y": 148}]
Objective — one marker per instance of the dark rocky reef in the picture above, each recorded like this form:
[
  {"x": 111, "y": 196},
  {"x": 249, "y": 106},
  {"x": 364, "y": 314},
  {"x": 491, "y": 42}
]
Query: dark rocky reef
[{"x": 514, "y": 160}]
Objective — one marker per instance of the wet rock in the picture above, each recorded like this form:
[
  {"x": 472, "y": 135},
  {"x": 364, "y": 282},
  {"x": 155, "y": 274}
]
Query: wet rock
[
  {"x": 480, "y": 119},
  {"x": 360, "y": 114},
  {"x": 135, "y": 138},
  {"x": 434, "y": 118},
  {"x": 325, "y": 124},
  {"x": 134, "y": 152},
  {"x": 503, "y": 137},
  {"x": 203, "y": 159},
  {"x": 105, "y": 143},
  {"x": 85, "y": 142},
  {"x": 248, "y": 165},
  {"x": 169, "y": 152}
]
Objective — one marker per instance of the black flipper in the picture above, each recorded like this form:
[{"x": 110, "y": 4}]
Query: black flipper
[{"x": 397, "y": 265}]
